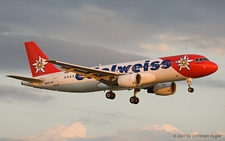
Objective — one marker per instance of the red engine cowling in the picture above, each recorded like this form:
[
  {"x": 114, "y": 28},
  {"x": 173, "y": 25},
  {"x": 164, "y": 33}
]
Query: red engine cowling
[
  {"x": 129, "y": 80},
  {"x": 163, "y": 89}
]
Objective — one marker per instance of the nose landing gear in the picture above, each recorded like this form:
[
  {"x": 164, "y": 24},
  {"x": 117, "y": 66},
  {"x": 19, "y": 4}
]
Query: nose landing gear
[{"x": 189, "y": 81}]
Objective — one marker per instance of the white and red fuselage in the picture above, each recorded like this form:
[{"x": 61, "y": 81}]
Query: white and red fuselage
[{"x": 155, "y": 75}]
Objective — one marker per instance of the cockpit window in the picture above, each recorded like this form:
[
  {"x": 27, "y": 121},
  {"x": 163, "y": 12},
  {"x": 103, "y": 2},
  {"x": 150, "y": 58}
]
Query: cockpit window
[
  {"x": 205, "y": 59},
  {"x": 201, "y": 59}
]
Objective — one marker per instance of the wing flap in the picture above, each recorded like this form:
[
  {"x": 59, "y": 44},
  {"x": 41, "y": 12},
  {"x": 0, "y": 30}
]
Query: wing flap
[{"x": 28, "y": 79}]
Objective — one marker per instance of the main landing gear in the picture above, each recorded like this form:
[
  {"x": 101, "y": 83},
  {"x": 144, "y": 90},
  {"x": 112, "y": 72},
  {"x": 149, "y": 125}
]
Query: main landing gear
[
  {"x": 189, "y": 81},
  {"x": 134, "y": 99},
  {"x": 110, "y": 95}
]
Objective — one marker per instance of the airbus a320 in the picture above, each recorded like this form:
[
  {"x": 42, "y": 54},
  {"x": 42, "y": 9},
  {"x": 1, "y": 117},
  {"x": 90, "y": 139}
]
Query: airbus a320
[{"x": 157, "y": 76}]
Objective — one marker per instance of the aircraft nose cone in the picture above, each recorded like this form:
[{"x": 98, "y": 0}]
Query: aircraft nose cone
[{"x": 213, "y": 67}]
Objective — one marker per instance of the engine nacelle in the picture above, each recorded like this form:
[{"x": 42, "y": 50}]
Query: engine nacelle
[
  {"x": 147, "y": 78},
  {"x": 163, "y": 89},
  {"x": 129, "y": 80}
]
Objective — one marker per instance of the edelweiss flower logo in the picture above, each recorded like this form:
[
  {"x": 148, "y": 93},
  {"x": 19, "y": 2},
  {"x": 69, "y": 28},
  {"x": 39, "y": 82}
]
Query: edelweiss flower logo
[
  {"x": 40, "y": 64},
  {"x": 184, "y": 63}
]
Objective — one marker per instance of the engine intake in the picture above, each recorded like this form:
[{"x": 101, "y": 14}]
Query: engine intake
[
  {"x": 163, "y": 89},
  {"x": 129, "y": 80}
]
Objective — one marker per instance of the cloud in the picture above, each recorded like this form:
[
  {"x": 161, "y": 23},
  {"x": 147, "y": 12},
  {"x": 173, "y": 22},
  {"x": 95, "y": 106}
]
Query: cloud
[
  {"x": 93, "y": 32},
  {"x": 214, "y": 45},
  {"x": 210, "y": 82},
  {"x": 14, "y": 59},
  {"x": 77, "y": 132},
  {"x": 11, "y": 93},
  {"x": 58, "y": 133},
  {"x": 165, "y": 127},
  {"x": 159, "y": 47},
  {"x": 106, "y": 28},
  {"x": 81, "y": 24}
]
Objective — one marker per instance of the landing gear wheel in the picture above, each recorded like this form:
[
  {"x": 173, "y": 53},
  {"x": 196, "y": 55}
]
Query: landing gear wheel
[
  {"x": 113, "y": 96},
  {"x": 110, "y": 95},
  {"x": 191, "y": 90},
  {"x": 134, "y": 100}
]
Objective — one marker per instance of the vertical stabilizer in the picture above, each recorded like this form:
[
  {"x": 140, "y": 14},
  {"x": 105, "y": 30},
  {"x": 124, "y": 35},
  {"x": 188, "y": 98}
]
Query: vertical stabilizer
[{"x": 37, "y": 60}]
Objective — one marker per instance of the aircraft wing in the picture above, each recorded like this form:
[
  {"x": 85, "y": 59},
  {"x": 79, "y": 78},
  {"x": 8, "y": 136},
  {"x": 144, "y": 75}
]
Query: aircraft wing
[
  {"x": 86, "y": 71},
  {"x": 28, "y": 79}
]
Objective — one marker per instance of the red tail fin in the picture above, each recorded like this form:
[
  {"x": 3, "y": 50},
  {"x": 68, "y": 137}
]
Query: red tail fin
[{"x": 37, "y": 60}]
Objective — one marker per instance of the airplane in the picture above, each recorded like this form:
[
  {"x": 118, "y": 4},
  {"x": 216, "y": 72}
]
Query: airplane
[{"x": 157, "y": 76}]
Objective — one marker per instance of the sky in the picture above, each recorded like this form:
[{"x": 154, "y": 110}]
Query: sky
[{"x": 92, "y": 32}]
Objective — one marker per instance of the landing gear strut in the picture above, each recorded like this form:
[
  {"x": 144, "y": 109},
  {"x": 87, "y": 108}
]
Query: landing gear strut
[
  {"x": 189, "y": 81},
  {"x": 134, "y": 99},
  {"x": 110, "y": 95}
]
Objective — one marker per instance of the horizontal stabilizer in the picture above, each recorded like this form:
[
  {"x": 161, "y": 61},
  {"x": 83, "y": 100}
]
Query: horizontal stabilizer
[{"x": 28, "y": 79}]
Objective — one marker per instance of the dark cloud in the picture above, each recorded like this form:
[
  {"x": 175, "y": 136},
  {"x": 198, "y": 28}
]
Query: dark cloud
[
  {"x": 167, "y": 13},
  {"x": 118, "y": 25},
  {"x": 88, "y": 55},
  {"x": 13, "y": 55},
  {"x": 95, "y": 31}
]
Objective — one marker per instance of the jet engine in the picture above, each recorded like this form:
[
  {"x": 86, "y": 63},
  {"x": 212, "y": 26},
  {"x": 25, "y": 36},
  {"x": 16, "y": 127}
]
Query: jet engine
[
  {"x": 129, "y": 80},
  {"x": 163, "y": 89}
]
